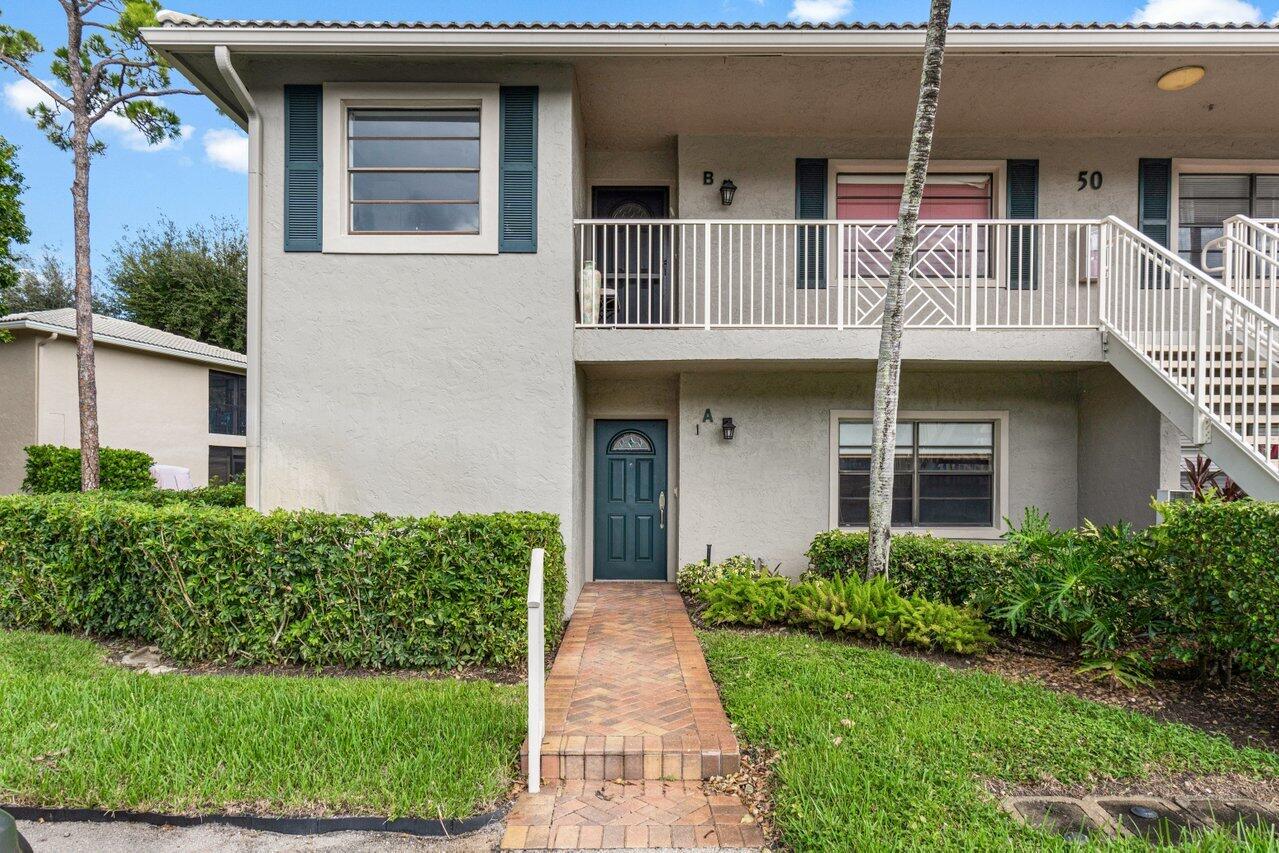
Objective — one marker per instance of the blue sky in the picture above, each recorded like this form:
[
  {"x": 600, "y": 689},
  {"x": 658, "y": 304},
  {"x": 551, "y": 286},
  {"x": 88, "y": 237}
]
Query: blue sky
[{"x": 203, "y": 175}]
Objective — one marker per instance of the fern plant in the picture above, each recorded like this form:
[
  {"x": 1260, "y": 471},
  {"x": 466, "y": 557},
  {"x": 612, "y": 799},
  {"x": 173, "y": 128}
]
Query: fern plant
[{"x": 742, "y": 599}]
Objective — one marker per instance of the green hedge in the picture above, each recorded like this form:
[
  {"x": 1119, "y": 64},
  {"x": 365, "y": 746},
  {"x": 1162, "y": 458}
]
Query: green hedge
[
  {"x": 937, "y": 569},
  {"x": 211, "y": 583},
  {"x": 1222, "y": 563},
  {"x": 230, "y": 495},
  {"x": 52, "y": 469}
]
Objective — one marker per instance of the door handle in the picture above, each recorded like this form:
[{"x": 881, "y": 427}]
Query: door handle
[{"x": 661, "y": 509}]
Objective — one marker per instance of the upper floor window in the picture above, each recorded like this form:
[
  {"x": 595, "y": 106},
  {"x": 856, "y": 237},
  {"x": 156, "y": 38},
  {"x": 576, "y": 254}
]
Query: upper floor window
[
  {"x": 228, "y": 413},
  {"x": 1205, "y": 202},
  {"x": 414, "y": 171},
  {"x": 411, "y": 168}
]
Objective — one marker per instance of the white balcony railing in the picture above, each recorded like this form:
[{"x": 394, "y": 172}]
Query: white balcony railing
[
  {"x": 1249, "y": 260},
  {"x": 989, "y": 274}
]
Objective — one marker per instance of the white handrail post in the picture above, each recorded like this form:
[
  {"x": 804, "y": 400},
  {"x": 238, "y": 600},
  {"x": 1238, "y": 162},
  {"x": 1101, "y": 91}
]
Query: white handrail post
[
  {"x": 1104, "y": 239},
  {"x": 1201, "y": 328},
  {"x": 536, "y": 670},
  {"x": 839, "y": 274},
  {"x": 972, "y": 263},
  {"x": 706, "y": 274}
]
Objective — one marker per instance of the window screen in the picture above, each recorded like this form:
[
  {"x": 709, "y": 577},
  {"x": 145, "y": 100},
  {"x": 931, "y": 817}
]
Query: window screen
[
  {"x": 1205, "y": 202},
  {"x": 414, "y": 171},
  {"x": 943, "y": 474}
]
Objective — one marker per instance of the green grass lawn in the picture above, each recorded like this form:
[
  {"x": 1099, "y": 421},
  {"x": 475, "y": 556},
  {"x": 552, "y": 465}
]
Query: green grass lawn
[
  {"x": 908, "y": 772},
  {"x": 75, "y": 731}
]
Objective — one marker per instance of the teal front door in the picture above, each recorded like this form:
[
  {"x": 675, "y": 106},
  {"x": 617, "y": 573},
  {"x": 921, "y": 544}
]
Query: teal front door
[{"x": 631, "y": 504}]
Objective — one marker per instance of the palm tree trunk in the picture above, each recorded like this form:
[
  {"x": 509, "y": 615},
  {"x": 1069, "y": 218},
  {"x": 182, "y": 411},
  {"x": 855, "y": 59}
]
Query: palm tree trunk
[{"x": 888, "y": 370}]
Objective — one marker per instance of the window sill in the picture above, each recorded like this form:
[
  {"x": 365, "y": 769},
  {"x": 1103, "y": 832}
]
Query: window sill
[{"x": 982, "y": 533}]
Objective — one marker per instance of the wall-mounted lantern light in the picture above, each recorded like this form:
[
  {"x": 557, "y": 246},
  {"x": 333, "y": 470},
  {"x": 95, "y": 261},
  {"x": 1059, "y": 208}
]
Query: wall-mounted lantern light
[
  {"x": 726, "y": 192},
  {"x": 729, "y": 428}
]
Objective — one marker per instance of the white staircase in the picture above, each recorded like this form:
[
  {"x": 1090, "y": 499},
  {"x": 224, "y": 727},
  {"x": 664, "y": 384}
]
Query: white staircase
[{"x": 1205, "y": 355}]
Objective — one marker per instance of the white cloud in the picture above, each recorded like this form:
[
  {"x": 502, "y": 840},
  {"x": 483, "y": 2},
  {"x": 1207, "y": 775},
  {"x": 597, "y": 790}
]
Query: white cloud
[
  {"x": 22, "y": 95},
  {"x": 1274, "y": 22},
  {"x": 821, "y": 11},
  {"x": 228, "y": 149},
  {"x": 1197, "y": 12}
]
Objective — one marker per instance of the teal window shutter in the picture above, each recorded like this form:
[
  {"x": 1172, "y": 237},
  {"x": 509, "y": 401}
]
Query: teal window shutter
[
  {"x": 1023, "y": 203},
  {"x": 303, "y": 168},
  {"x": 1154, "y": 198},
  {"x": 517, "y": 182},
  {"x": 810, "y": 241}
]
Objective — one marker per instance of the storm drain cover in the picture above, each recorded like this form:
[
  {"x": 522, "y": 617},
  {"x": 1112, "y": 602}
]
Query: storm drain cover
[
  {"x": 1232, "y": 812},
  {"x": 1066, "y": 819},
  {"x": 1148, "y": 819}
]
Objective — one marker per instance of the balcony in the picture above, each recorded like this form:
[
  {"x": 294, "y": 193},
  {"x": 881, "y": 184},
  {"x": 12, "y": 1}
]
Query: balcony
[{"x": 1020, "y": 275}]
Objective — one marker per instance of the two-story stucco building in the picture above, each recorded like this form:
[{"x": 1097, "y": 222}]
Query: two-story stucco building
[
  {"x": 633, "y": 274},
  {"x": 180, "y": 400}
]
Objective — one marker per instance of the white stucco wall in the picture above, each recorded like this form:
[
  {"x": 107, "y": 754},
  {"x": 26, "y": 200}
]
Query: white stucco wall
[
  {"x": 416, "y": 383},
  {"x": 146, "y": 402},
  {"x": 1127, "y": 450},
  {"x": 764, "y": 167},
  {"x": 17, "y": 408},
  {"x": 767, "y": 492}
]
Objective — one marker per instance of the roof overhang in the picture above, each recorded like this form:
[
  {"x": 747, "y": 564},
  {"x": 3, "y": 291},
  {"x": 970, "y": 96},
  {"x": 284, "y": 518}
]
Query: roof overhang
[
  {"x": 250, "y": 37},
  {"x": 112, "y": 340}
]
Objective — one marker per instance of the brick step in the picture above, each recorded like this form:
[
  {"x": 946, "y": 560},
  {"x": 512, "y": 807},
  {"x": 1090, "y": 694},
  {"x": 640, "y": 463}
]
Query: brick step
[{"x": 673, "y": 757}]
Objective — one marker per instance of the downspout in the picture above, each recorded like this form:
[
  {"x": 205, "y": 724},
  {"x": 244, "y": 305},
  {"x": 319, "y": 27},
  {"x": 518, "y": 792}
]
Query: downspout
[
  {"x": 253, "y": 440},
  {"x": 53, "y": 336}
]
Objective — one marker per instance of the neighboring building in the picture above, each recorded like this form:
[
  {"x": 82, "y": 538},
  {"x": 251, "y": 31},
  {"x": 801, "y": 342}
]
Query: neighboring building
[
  {"x": 177, "y": 399},
  {"x": 496, "y": 267}
]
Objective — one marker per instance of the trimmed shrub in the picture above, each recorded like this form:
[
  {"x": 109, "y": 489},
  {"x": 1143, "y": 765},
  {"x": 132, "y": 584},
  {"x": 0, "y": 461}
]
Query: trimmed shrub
[
  {"x": 52, "y": 469},
  {"x": 692, "y": 576},
  {"x": 1222, "y": 564},
  {"x": 230, "y": 495},
  {"x": 937, "y": 569},
  {"x": 208, "y": 583}
]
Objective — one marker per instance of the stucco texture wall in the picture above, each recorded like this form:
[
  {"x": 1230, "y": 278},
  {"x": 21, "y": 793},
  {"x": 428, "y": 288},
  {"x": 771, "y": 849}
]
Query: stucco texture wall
[
  {"x": 145, "y": 402},
  {"x": 1127, "y": 450},
  {"x": 414, "y": 383},
  {"x": 18, "y": 409},
  {"x": 764, "y": 167},
  {"x": 767, "y": 492}
]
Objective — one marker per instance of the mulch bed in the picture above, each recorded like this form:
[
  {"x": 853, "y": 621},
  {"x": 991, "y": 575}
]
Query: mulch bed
[{"x": 1247, "y": 714}]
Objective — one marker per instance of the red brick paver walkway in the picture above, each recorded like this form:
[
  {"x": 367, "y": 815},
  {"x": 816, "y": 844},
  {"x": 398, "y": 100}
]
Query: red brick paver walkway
[{"x": 633, "y": 724}]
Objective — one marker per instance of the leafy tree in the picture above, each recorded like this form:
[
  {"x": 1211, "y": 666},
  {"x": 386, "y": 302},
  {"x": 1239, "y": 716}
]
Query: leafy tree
[
  {"x": 47, "y": 284},
  {"x": 43, "y": 288},
  {"x": 889, "y": 368},
  {"x": 13, "y": 225},
  {"x": 191, "y": 283},
  {"x": 107, "y": 70}
]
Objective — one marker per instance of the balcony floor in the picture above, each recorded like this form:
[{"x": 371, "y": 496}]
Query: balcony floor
[{"x": 807, "y": 346}]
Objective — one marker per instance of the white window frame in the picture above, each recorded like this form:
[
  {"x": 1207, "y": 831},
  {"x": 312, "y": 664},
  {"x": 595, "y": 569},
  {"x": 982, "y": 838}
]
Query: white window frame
[
  {"x": 339, "y": 98},
  {"x": 1000, "y": 503}
]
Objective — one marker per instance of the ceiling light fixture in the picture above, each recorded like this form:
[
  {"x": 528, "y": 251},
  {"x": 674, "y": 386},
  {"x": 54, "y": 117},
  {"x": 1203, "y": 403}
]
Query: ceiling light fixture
[{"x": 1181, "y": 78}]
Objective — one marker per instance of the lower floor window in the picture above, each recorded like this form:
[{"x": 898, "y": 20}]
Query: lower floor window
[
  {"x": 943, "y": 474},
  {"x": 225, "y": 464}
]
